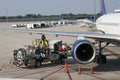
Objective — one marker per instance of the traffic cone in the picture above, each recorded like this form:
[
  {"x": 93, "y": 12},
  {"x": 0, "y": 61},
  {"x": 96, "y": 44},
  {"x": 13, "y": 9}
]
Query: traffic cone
[
  {"x": 66, "y": 67},
  {"x": 79, "y": 70},
  {"x": 91, "y": 70}
]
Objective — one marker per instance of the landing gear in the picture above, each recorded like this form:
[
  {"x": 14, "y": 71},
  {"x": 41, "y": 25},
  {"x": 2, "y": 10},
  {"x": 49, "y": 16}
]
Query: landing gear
[{"x": 100, "y": 58}]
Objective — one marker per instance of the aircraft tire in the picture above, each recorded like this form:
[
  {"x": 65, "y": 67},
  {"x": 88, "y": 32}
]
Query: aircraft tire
[{"x": 101, "y": 59}]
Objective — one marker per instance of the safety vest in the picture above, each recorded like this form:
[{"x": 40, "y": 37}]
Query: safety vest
[{"x": 44, "y": 44}]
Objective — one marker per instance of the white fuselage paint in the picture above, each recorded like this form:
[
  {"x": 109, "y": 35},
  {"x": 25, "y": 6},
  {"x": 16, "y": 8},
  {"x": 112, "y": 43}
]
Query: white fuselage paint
[{"x": 109, "y": 23}]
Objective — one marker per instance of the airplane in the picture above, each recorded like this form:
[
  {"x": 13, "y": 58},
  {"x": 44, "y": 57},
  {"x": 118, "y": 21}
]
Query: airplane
[
  {"x": 90, "y": 22},
  {"x": 83, "y": 50}
]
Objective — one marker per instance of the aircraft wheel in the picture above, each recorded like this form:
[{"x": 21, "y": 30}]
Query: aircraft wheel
[{"x": 101, "y": 59}]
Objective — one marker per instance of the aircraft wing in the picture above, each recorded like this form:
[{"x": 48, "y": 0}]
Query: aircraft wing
[
  {"x": 94, "y": 35},
  {"x": 82, "y": 50}
]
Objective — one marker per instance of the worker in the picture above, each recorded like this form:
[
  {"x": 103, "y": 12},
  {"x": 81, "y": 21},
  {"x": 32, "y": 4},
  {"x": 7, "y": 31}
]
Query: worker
[{"x": 44, "y": 44}]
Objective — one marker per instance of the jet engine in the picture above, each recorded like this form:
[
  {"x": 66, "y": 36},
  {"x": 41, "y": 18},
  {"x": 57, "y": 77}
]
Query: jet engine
[{"x": 83, "y": 51}]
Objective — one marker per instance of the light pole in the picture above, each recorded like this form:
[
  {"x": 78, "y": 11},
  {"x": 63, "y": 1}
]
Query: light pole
[{"x": 94, "y": 10}]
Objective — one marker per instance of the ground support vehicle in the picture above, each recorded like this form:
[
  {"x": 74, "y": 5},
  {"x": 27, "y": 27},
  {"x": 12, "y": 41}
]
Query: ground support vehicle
[{"x": 30, "y": 55}]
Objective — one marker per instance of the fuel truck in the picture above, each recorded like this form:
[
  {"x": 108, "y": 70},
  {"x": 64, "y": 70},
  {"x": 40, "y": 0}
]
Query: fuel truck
[{"x": 34, "y": 55}]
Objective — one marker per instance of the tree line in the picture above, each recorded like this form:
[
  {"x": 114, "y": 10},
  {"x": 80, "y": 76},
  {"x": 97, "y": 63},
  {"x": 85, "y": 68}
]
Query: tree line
[{"x": 69, "y": 16}]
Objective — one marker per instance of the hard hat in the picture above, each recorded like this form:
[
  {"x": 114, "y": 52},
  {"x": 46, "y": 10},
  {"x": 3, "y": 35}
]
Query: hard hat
[{"x": 43, "y": 36}]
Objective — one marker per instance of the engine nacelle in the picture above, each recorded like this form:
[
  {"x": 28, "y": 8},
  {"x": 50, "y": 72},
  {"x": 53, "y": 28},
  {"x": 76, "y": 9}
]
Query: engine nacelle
[{"x": 83, "y": 51}]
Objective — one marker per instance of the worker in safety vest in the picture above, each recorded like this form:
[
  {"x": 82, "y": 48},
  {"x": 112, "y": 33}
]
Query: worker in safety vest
[{"x": 44, "y": 43}]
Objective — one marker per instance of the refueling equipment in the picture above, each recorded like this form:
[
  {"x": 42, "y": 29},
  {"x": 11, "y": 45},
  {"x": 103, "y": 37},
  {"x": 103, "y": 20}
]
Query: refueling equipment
[{"x": 43, "y": 51}]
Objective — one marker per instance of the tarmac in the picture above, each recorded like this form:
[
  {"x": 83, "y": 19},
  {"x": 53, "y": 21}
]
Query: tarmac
[{"x": 10, "y": 41}]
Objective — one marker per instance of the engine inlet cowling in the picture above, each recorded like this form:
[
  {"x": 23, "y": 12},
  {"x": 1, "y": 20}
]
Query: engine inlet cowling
[{"x": 83, "y": 51}]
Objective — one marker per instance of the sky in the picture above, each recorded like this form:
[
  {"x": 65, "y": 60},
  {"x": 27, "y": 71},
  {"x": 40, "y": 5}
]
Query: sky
[{"x": 54, "y": 7}]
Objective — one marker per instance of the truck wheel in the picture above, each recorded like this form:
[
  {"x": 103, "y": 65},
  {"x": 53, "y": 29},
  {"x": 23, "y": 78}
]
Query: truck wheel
[
  {"x": 26, "y": 64},
  {"x": 38, "y": 63},
  {"x": 62, "y": 58},
  {"x": 61, "y": 61},
  {"x": 17, "y": 64}
]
